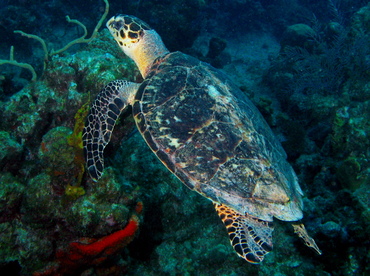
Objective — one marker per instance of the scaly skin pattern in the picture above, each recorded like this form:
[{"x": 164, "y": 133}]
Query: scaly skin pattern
[
  {"x": 250, "y": 237},
  {"x": 140, "y": 42}
]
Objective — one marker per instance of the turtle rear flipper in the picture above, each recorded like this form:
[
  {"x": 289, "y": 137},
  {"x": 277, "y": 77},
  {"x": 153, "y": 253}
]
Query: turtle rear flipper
[
  {"x": 104, "y": 112},
  {"x": 301, "y": 231},
  {"x": 250, "y": 237}
]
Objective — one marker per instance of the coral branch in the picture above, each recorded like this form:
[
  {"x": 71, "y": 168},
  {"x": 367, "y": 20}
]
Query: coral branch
[
  {"x": 79, "y": 254},
  {"x": 47, "y": 53},
  {"x": 83, "y": 38},
  {"x": 107, "y": 245},
  {"x": 13, "y": 62},
  {"x": 75, "y": 21},
  {"x": 39, "y": 39}
]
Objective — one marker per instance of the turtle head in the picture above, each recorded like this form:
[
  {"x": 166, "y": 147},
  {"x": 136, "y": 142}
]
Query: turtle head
[
  {"x": 137, "y": 40},
  {"x": 127, "y": 30}
]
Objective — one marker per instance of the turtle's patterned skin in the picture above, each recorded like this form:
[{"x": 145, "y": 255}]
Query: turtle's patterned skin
[
  {"x": 205, "y": 131},
  {"x": 100, "y": 122}
]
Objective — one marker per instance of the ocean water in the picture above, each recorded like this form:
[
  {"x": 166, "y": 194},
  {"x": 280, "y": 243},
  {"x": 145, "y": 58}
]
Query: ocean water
[{"x": 304, "y": 64}]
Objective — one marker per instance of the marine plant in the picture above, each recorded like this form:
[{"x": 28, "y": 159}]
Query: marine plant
[
  {"x": 12, "y": 61},
  {"x": 321, "y": 72},
  {"x": 75, "y": 140},
  {"x": 49, "y": 53}
]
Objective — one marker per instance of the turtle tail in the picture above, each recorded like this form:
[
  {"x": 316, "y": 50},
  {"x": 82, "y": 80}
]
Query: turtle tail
[{"x": 250, "y": 236}]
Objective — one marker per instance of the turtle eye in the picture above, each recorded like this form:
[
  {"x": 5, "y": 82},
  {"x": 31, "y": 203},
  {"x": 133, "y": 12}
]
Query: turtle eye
[{"x": 117, "y": 24}]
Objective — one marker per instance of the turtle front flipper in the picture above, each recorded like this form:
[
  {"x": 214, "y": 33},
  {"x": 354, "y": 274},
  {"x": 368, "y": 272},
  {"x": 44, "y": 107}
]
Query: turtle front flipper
[
  {"x": 250, "y": 237},
  {"x": 104, "y": 112}
]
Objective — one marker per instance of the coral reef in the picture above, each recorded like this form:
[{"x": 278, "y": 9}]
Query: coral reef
[{"x": 47, "y": 205}]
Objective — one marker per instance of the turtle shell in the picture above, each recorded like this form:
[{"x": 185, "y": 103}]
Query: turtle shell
[{"x": 212, "y": 137}]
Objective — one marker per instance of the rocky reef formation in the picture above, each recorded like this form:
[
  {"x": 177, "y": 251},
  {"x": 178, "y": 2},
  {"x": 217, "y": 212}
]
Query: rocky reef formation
[{"x": 49, "y": 209}]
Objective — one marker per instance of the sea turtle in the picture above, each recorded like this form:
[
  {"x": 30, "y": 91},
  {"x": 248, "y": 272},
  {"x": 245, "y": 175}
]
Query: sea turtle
[{"x": 205, "y": 131}]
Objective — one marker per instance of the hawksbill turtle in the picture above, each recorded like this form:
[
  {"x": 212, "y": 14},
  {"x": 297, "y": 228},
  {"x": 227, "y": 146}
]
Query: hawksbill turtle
[{"x": 205, "y": 131}]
